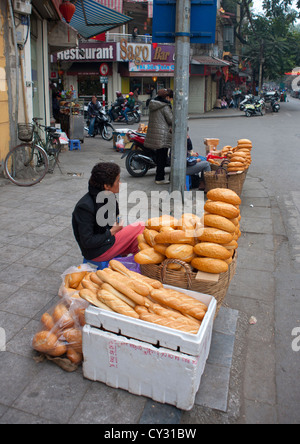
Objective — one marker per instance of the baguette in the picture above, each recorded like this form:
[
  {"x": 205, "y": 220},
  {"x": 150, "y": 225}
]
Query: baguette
[
  {"x": 215, "y": 235},
  {"x": 172, "y": 314},
  {"x": 220, "y": 222},
  {"x": 174, "y": 237},
  {"x": 181, "y": 302},
  {"x": 94, "y": 278},
  {"x": 118, "y": 266},
  {"x": 88, "y": 284},
  {"x": 107, "y": 278},
  {"x": 224, "y": 195},
  {"x": 137, "y": 286},
  {"x": 116, "y": 304},
  {"x": 144, "y": 315},
  {"x": 120, "y": 295},
  {"x": 91, "y": 297}
]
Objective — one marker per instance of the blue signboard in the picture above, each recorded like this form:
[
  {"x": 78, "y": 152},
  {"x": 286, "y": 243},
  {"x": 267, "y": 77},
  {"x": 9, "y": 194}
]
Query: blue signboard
[{"x": 203, "y": 21}]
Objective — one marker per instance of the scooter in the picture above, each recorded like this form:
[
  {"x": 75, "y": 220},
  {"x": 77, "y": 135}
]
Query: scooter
[
  {"x": 139, "y": 160},
  {"x": 275, "y": 106},
  {"x": 249, "y": 99},
  {"x": 102, "y": 126},
  {"x": 255, "y": 109},
  {"x": 136, "y": 113}
]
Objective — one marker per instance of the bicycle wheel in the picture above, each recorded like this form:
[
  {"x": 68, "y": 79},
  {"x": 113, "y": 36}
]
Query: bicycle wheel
[
  {"x": 54, "y": 150},
  {"x": 26, "y": 165}
]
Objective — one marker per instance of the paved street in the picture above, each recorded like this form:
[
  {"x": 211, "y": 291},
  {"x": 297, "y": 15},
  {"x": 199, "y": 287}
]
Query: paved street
[{"x": 252, "y": 373}]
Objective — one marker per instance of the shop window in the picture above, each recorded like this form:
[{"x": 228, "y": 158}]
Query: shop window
[
  {"x": 89, "y": 85},
  {"x": 144, "y": 84}
]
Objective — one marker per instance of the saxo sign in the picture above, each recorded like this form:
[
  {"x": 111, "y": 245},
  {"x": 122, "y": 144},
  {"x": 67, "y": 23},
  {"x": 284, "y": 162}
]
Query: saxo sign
[{"x": 133, "y": 52}]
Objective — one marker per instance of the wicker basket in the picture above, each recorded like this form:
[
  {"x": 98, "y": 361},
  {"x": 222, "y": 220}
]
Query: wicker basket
[
  {"x": 187, "y": 279},
  {"x": 25, "y": 132},
  {"x": 222, "y": 179}
]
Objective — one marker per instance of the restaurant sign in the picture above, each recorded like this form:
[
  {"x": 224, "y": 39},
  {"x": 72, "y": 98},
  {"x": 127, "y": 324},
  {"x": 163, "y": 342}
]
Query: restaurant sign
[
  {"x": 88, "y": 52},
  {"x": 133, "y": 52}
]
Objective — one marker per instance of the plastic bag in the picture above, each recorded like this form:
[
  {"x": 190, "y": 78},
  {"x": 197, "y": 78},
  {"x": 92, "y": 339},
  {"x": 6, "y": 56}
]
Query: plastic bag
[
  {"x": 71, "y": 280},
  {"x": 120, "y": 144},
  {"x": 60, "y": 333}
]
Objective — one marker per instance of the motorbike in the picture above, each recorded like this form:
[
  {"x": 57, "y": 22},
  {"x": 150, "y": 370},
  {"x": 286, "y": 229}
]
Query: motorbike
[
  {"x": 115, "y": 113},
  {"x": 136, "y": 114},
  {"x": 275, "y": 105},
  {"x": 139, "y": 160},
  {"x": 272, "y": 98},
  {"x": 255, "y": 109},
  {"x": 103, "y": 126},
  {"x": 249, "y": 99}
]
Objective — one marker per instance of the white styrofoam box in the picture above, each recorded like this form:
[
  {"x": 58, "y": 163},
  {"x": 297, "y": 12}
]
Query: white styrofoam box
[
  {"x": 154, "y": 334},
  {"x": 166, "y": 376}
]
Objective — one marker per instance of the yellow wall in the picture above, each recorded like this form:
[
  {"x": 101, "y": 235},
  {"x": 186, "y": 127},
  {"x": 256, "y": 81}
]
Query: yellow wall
[{"x": 4, "y": 113}]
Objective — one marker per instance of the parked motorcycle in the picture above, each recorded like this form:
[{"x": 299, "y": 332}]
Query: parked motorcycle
[
  {"x": 136, "y": 113},
  {"x": 248, "y": 100},
  {"x": 255, "y": 109},
  {"x": 103, "y": 126},
  {"x": 275, "y": 106},
  {"x": 139, "y": 160},
  {"x": 272, "y": 98}
]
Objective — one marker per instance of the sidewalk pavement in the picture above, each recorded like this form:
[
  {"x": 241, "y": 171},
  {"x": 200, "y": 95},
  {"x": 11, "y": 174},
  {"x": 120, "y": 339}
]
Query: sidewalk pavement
[{"x": 37, "y": 245}]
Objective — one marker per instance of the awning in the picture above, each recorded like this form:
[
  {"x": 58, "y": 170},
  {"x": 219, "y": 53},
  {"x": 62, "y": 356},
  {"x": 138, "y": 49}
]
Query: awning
[
  {"x": 92, "y": 18},
  {"x": 209, "y": 61}
]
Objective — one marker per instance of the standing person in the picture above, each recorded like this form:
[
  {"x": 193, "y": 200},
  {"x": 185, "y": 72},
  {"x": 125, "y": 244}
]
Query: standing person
[
  {"x": 153, "y": 94},
  {"x": 129, "y": 106},
  {"x": 236, "y": 97},
  {"x": 96, "y": 226},
  {"x": 56, "y": 107},
  {"x": 93, "y": 109},
  {"x": 135, "y": 33},
  {"x": 159, "y": 135}
]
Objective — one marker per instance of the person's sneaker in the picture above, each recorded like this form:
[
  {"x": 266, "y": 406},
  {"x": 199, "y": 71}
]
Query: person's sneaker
[{"x": 162, "y": 182}]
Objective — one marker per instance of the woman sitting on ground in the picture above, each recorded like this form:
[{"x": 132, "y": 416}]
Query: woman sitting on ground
[{"x": 96, "y": 226}]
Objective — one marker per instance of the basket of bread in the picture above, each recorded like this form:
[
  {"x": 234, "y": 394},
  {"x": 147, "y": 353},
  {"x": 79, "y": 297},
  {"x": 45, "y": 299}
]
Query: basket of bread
[
  {"x": 195, "y": 253},
  {"x": 233, "y": 171}
]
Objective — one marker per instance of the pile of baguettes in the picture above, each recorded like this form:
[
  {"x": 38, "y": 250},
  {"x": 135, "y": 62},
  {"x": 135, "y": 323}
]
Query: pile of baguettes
[
  {"x": 123, "y": 291},
  {"x": 208, "y": 244}
]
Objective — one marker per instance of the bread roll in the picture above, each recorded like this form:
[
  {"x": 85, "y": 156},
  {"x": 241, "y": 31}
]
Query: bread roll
[
  {"x": 62, "y": 317},
  {"x": 143, "y": 246},
  {"x": 149, "y": 256},
  {"x": 74, "y": 338},
  {"x": 208, "y": 249},
  {"x": 233, "y": 245},
  {"x": 157, "y": 223},
  {"x": 47, "y": 321},
  {"x": 220, "y": 222},
  {"x": 59, "y": 350},
  {"x": 161, "y": 248},
  {"x": 174, "y": 237},
  {"x": 150, "y": 236},
  {"x": 210, "y": 265},
  {"x": 74, "y": 279},
  {"x": 222, "y": 209},
  {"x": 244, "y": 141},
  {"x": 182, "y": 252},
  {"x": 224, "y": 195},
  {"x": 74, "y": 356},
  {"x": 188, "y": 221},
  {"x": 214, "y": 235},
  {"x": 44, "y": 341}
]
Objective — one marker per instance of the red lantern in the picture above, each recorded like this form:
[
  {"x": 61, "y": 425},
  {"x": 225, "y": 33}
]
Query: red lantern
[{"x": 67, "y": 10}]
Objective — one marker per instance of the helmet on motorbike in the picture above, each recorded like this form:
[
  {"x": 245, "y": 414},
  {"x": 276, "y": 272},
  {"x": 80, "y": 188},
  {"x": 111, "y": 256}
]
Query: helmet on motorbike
[
  {"x": 127, "y": 97},
  {"x": 118, "y": 93},
  {"x": 131, "y": 94}
]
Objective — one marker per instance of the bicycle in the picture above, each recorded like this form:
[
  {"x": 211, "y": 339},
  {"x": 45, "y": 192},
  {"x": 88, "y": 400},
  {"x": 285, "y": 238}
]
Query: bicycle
[{"x": 28, "y": 163}]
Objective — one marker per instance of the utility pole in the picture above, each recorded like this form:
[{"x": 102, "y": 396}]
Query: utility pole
[{"x": 182, "y": 80}]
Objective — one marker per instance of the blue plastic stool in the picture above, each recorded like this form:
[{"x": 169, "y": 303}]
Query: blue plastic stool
[
  {"x": 75, "y": 145},
  {"x": 99, "y": 265},
  {"x": 188, "y": 183}
]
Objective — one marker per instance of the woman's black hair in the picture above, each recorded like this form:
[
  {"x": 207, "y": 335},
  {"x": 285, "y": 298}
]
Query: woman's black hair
[{"x": 104, "y": 173}]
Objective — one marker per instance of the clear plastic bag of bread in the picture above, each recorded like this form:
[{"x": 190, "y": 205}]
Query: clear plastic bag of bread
[
  {"x": 60, "y": 334},
  {"x": 72, "y": 280}
]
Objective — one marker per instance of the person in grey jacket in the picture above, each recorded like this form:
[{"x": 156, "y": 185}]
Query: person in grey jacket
[{"x": 159, "y": 135}]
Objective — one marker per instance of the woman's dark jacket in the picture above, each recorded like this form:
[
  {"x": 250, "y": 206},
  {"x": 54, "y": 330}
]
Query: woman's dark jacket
[{"x": 93, "y": 240}]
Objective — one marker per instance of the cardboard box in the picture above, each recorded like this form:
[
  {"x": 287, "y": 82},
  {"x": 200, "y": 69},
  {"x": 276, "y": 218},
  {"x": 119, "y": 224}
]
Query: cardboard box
[{"x": 146, "y": 359}]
